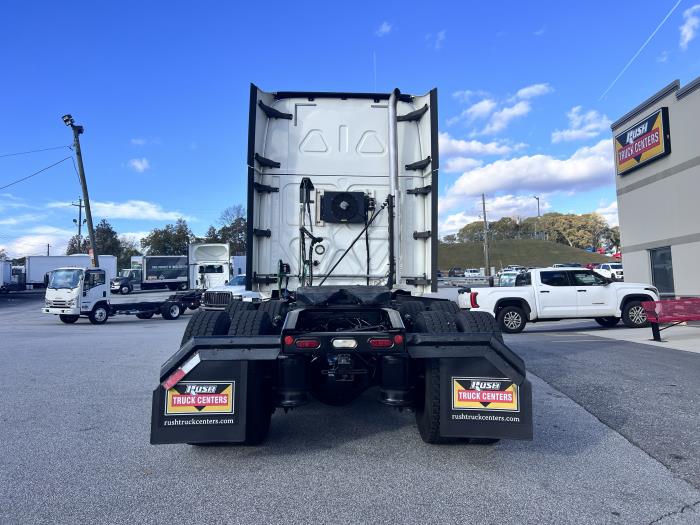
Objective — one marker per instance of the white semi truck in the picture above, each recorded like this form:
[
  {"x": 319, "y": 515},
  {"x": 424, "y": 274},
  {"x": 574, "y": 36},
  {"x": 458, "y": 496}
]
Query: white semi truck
[
  {"x": 342, "y": 247},
  {"x": 5, "y": 276},
  {"x": 209, "y": 265}
]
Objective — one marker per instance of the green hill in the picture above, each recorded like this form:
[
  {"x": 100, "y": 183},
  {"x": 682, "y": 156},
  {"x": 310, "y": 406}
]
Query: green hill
[{"x": 526, "y": 252}]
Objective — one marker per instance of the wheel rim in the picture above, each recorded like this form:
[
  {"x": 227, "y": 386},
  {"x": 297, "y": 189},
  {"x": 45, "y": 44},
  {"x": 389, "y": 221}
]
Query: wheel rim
[
  {"x": 174, "y": 311},
  {"x": 512, "y": 320},
  {"x": 638, "y": 315},
  {"x": 125, "y": 290},
  {"x": 100, "y": 314}
]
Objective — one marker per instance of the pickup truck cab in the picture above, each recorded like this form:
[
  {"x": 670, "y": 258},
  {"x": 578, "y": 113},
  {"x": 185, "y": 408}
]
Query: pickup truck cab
[
  {"x": 611, "y": 271},
  {"x": 552, "y": 294}
]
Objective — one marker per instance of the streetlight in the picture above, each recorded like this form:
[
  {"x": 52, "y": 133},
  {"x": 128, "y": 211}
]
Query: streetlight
[
  {"x": 77, "y": 131},
  {"x": 538, "y": 214}
]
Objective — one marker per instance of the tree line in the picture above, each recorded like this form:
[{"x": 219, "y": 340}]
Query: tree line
[
  {"x": 589, "y": 230},
  {"x": 172, "y": 239}
]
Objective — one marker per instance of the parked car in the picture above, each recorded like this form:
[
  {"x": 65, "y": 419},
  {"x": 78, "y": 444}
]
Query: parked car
[
  {"x": 611, "y": 271},
  {"x": 455, "y": 272},
  {"x": 506, "y": 278},
  {"x": 473, "y": 272},
  {"x": 552, "y": 294}
]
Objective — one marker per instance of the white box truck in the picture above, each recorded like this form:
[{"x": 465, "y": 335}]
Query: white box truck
[
  {"x": 37, "y": 267},
  {"x": 5, "y": 276},
  {"x": 342, "y": 244}
]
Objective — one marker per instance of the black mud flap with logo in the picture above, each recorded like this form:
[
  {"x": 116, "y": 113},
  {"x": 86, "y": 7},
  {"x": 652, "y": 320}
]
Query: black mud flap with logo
[
  {"x": 479, "y": 400},
  {"x": 204, "y": 387},
  {"x": 207, "y": 406}
]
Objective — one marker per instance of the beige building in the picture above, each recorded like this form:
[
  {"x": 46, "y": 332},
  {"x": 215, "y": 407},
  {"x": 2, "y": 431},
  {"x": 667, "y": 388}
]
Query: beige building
[{"x": 657, "y": 160}]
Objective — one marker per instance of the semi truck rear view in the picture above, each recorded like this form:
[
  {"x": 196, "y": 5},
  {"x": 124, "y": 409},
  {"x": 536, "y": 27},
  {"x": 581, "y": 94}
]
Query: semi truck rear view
[{"x": 342, "y": 246}]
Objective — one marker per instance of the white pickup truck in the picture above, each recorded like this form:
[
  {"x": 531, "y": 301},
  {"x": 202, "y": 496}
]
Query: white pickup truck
[{"x": 552, "y": 294}]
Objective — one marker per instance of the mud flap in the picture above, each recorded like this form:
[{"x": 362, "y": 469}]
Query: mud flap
[
  {"x": 479, "y": 400},
  {"x": 208, "y": 406}
]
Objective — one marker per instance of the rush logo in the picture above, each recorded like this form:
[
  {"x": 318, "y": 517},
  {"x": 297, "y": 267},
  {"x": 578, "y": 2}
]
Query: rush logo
[
  {"x": 200, "y": 398},
  {"x": 484, "y": 394},
  {"x": 643, "y": 142}
]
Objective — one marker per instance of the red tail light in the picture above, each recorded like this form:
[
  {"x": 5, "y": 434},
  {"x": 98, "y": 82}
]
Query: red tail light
[
  {"x": 308, "y": 343},
  {"x": 381, "y": 342},
  {"x": 398, "y": 339},
  {"x": 472, "y": 299},
  {"x": 288, "y": 340}
]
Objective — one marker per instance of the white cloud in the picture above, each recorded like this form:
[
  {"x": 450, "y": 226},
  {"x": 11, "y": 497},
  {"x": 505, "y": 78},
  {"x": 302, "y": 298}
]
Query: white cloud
[
  {"x": 587, "y": 167},
  {"x": 384, "y": 29},
  {"x": 535, "y": 90},
  {"x": 131, "y": 209},
  {"x": 689, "y": 29},
  {"x": 437, "y": 40},
  {"x": 457, "y": 164},
  {"x": 540, "y": 31},
  {"x": 502, "y": 118},
  {"x": 663, "y": 57},
  {"x": 582, "y": 125},
  {"x": 36, "y": 239},
  {"x": 465, "y": 95},
  {"x": 138, "y": 142},
  {"x": 134, "y": 236},
  {"x": 496, "y": 208},
  {"x": 480, "y": 110},
  {"x": 139, "y": 165},
  {"x": 609, "y": 213},
  {"x": 9, "y": 201},
  {"x": 19, "y": 219},
  {"x": 450, "y": 146}
]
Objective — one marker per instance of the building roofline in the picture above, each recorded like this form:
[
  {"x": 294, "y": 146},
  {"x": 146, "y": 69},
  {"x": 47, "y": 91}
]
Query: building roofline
[
  {"x": 663, "y": 92},
  {"x": 688, "y": 88}
]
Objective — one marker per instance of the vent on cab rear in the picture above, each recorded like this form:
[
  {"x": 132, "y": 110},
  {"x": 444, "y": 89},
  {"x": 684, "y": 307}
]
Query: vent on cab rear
[{"x": 344, "y": 206}]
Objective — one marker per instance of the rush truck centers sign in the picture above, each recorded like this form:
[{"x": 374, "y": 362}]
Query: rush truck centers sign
[{"x": 645, "y": 141}]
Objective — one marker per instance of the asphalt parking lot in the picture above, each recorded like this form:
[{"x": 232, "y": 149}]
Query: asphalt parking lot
[{"x": 616, "y": 440}]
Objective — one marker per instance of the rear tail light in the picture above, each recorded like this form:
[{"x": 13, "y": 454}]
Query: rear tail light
[
  {"x": 307, "y": 343},
  {"x": 381, "y": 342},
  {"x": 472, "y": 299},
  {"x": 398, "y": 339}
]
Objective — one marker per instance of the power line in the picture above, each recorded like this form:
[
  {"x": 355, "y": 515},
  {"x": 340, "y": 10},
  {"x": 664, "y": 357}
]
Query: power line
[
  {"x": 32, "y": 151},
  {"x": 35, "y": 173}
]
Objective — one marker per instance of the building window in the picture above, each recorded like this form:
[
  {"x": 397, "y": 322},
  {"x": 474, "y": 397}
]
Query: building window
[{"x": 662, "y": 270}]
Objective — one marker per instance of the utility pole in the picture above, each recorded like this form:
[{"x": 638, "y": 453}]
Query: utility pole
[
  {"x": 538, "y": 216},
  {"x": 48, "y": 249},
  {"x": 80, "y": 219},
  {"x": 77, "y": 131},
  {"x": 487, "y": 269}
]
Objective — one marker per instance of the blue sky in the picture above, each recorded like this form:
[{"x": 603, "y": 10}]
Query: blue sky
[{"x": 162, "y": 90}]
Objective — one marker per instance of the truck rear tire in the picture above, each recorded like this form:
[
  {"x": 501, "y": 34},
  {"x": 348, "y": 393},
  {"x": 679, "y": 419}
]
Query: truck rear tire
[
  {"x": 607, "y": 322},
  {"x": 259, "y": 389},
  {"x": 238, "y": 306},
  {"x": 170, "y": 311},
  {"x": 428, "y": 400},
  {"x": 183, "y": 287},
  {"x": 444, "y": 306},
  {"x": 409, "y": 310},
  {"x": 512, "y": 319},
  {"x": 471, "y": 322},
  {"x": 206, "y": 323},
  {"x": 68, "y": 319},
  {"x": 125, "y": 289},
  {"x": 99, "y": 314},
  {"x": 277, "y": 310},
  {"x": 634, "y": 316},
  {"x": 145, "y": 315}
]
